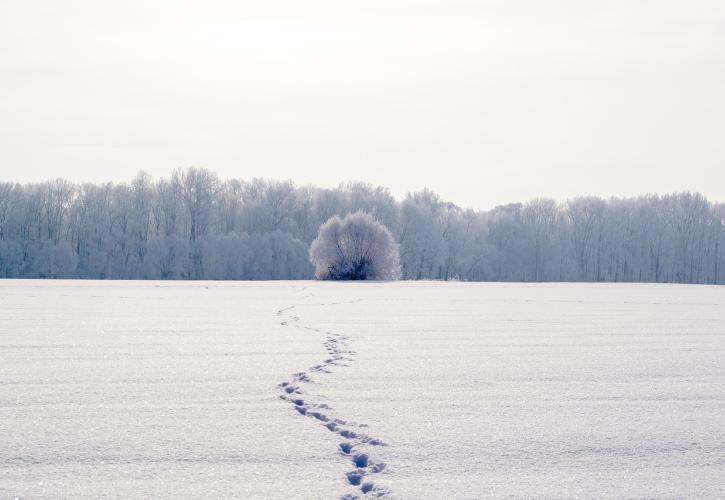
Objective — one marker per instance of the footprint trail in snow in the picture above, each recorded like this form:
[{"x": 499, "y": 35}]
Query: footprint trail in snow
[{"x": 355, "y": 445}]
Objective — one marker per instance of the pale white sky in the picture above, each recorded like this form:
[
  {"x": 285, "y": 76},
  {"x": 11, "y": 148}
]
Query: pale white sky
[{"x": 485, "y": 102}]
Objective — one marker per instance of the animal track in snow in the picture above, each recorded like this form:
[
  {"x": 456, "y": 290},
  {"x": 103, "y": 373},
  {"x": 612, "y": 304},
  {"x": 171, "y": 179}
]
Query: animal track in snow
[{"x": 339, "y": 354}]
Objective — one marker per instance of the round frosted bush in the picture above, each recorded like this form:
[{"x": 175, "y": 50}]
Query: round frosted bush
[{"x": 356, "y": 247}]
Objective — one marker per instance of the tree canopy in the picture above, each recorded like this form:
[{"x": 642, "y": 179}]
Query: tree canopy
[
  {"x": 356, "y": 247},
  {"x": 193, "y": 225}
]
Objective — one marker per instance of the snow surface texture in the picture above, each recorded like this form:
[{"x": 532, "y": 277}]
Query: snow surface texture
[{"x": 331, "y": 390}]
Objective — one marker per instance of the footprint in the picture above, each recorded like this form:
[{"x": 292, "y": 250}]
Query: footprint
[
  {"x": 367, "y": 488},
  {"x": 319, "y": 416},
  {"x": 354, "y": 478},
  {"x": 360, "y": 461},
  {"x": 378, "y": 467}
]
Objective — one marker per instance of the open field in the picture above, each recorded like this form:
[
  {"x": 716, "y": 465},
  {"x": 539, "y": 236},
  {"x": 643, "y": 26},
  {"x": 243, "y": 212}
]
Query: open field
[{"x": 402, "y": 390}]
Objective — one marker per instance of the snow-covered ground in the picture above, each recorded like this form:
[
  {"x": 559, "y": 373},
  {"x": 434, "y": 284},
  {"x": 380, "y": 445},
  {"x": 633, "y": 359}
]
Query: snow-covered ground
[{"x": 321, "y": 390}]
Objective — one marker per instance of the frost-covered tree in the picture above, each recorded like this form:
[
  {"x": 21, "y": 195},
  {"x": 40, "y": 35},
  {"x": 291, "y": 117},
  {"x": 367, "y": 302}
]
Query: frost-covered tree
[
  {"x": 422, "y": 238},
  {"x": 355, "y": 248},
  {"x": 196, "y": 226}
]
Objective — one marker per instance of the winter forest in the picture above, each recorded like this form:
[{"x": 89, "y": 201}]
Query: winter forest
[{"x": 195, "y": 226}]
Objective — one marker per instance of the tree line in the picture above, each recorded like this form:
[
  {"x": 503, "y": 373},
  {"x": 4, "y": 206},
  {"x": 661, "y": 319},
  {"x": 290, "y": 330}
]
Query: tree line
[{"x": 193, "y": 225}]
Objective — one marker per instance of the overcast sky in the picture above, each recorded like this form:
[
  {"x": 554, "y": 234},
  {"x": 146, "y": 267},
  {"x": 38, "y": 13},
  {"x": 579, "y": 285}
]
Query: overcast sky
[{"x": 485, "y": 102}]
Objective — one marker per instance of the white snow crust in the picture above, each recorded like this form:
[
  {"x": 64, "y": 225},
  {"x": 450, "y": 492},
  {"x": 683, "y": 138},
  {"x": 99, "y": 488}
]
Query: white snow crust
[{"x": 329, "y": 390}]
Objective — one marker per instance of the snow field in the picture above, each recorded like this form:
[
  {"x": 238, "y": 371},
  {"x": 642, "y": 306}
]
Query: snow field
[{"x": 344, "y": 390}]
